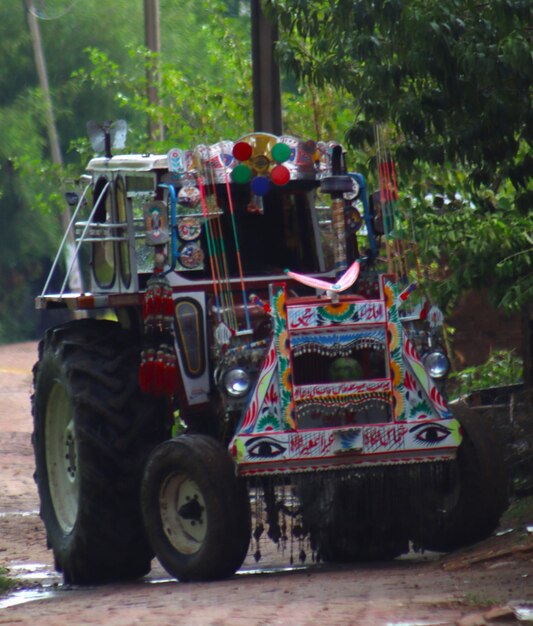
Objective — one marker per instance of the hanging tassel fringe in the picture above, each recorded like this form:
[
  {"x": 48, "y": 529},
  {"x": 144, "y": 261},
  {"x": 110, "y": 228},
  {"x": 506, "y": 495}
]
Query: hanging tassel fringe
[{"x": 158, "y": 371}]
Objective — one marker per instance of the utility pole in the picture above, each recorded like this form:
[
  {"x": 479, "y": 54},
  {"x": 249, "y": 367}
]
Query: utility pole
[
  {"x": 53, "y": 139},
  {"x": 265, "y": 73},
  {"x": 40, "y": 65},
  {"x": 152, "y": 37}
]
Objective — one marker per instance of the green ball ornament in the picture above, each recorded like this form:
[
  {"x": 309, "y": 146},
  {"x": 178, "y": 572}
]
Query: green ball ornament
[
  {"x": 281, "y": 152},
  {"x": 241, "y": 174}
]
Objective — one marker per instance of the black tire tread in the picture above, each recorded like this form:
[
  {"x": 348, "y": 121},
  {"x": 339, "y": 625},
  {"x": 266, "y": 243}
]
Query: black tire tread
[
  {"x": 207, "y": 462},
  {"x": 483, "y": 495},
  {"x": 116, "y": 427}
]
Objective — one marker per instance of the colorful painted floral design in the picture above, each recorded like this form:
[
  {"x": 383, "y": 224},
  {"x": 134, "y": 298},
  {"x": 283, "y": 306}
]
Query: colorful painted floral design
[
  {"x": 290, "y": 422},
  {"x": 280, "y": 304},
  {"x": 267, "y": 422},
  {"x": 337, "y": 312},
  {"x": 286, "y": 379},
  {"x": 283, "y": 344},
  {"x": 394, "y": 336},
  {"x": 396, "y": 373},
  {"x": 409, "y": 382},
  {"x": 421, "y": 410},
  {"x": 397, "y": 397},
  {"x": 389, "y": 295},
  {"x": 284, "y": 371}
]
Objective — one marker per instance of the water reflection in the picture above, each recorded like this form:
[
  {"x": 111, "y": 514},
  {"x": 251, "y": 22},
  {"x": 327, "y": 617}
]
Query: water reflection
[{"x": 26, "y": 595}]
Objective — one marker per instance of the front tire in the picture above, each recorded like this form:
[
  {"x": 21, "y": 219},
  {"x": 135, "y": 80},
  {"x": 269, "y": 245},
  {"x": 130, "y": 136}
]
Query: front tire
[
  {"x": 196, "y": 510},
  {"x": 93, "y": 430}
]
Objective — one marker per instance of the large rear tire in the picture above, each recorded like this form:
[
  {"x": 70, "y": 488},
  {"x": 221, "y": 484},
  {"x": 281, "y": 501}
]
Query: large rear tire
[
  {"x": 196, "y": 510},
  {"x": 93, "y": 430},
  {"x": 464, "y": 502}
]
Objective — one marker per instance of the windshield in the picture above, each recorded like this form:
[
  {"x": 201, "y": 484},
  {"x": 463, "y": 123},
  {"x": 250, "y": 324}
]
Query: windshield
[{"x": 271, "y": 233}]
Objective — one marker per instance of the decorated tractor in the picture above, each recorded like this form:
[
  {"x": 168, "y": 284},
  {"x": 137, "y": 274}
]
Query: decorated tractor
[{"x": 251, "y": 362}]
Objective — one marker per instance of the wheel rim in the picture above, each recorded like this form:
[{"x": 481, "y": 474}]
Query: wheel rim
[
  {"x": 62, "y": 457},
  {"x": 183, "y": 513}
]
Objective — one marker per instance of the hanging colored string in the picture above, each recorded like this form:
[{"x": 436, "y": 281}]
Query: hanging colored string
[
  {"x": 238, "y": 253},
  {"x": 392, "y": 219},
  {"x": 218, "y": 261},
  {"x": 220, "y": 248},
  {"x": 400, "y": 245},
  {"x": 395, "y": 218},
  {"x": 413, "y": 246},
  {"x": 214, "y": 279},
  {"x": 221, "y": 269},
  {"x": 403, "y": 252},
  {"x": 384, "y": 216}
]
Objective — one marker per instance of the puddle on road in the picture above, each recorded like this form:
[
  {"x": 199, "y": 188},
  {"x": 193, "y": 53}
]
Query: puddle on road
[
  {"x": 44, "y": 583},
  {"x": 522, "y": 610},
  {"x": 241, "y": 572},
  {"x": 277, "y": 569},
  {"x": 37, "y": 572},
  {"x": 26, "y": 595},
  {"x": 48, "y": 584},
  {"x": 18, "y": 513},
  {"x": 417, "y": 623}
]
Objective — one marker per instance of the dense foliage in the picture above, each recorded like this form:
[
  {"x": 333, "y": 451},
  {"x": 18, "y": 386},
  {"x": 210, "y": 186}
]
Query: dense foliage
[
  {"x": 96, "y": 67},
  {"x": 30, "y": 198},
  {"x": 451, "y": 80},
  {"x": 502, "y": 368}
]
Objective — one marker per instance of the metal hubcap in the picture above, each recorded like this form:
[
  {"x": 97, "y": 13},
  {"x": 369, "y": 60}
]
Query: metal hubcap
[
  {"x": 183, "y": 513},
  {"x": 70, "y": 452},
  {"x": 62, "y": 457}
]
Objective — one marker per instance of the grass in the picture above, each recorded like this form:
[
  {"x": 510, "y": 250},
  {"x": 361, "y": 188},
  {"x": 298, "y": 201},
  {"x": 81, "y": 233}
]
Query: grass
[
  {"x": 519, "y": 513},
  {"x": 480, "y": 600},
  {"x": 6, "y": 583}
]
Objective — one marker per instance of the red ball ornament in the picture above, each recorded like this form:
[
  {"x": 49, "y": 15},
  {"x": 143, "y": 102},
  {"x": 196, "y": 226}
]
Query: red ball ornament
[
  {"x": 280, "y": 175},
  {"x": 242, "y": 151}
]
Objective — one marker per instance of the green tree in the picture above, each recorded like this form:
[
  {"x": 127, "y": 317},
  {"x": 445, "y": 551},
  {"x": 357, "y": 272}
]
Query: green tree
[
  {"x": 204, "y": 96},
  {"x": 206, "y": 85},
  {"x": 30, "y": 202},
  {"x": 206, "y": 44},
  {"x": 452, "y": 80}
]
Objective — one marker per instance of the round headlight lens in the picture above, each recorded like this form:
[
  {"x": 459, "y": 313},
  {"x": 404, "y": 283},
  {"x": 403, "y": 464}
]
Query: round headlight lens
[
  {"x": 437, "y": 364},
  {"x": 236, "y": 382}
]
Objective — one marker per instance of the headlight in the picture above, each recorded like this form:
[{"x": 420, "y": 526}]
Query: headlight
[
  {"x": 236, "y": 382},
  {"x": 437, "y": 364}
]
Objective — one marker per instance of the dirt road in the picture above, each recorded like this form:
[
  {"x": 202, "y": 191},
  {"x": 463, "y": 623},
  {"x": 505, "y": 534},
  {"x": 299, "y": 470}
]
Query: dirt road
[{"x": 424, "y": 590}]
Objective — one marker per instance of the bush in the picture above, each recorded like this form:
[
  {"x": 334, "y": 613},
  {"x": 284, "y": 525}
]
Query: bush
[{"x": 502, "y": 368}]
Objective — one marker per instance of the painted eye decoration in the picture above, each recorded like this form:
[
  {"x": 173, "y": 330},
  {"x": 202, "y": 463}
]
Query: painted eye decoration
[
  {"x": 264, "y": 448},
  {"x": 430, "y": 434}
]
